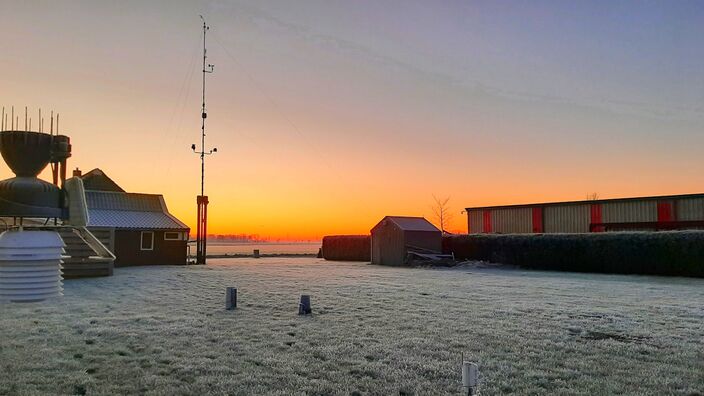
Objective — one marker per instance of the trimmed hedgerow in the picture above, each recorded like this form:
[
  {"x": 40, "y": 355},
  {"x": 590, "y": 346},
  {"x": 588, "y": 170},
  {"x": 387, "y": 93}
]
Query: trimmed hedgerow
[
  {"x": 347, "y": 247},
  {"x": 678, "y": 253}
]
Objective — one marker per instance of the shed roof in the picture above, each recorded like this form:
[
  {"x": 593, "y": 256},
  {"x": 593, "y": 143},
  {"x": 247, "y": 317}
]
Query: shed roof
[
  {"x": 406, "y": 223},
  {"x": 130, "y": 211}
]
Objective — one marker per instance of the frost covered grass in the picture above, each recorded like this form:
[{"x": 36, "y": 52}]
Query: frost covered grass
[{"x": 375, "y": 330}]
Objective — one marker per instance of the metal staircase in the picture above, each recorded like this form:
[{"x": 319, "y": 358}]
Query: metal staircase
[{"x": 86, "y": 256}]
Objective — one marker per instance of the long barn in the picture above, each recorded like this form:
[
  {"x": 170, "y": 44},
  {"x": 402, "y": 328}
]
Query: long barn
[{"x": 671, "y": 212}]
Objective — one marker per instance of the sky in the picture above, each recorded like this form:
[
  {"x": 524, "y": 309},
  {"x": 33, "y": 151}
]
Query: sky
[{"x": 329, "y": 115}]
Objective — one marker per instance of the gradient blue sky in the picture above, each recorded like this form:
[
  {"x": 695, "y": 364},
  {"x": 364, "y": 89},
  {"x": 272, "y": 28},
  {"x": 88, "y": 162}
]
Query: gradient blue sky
[{"x": 323, "y": 109}]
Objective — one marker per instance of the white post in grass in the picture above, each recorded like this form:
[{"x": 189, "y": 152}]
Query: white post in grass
[{"x": 470, "y": 377}]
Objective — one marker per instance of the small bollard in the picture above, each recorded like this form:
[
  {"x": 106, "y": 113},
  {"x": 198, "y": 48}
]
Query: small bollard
[
  {"x": 231, "y": 298},
  {"x": 256, "y": 253},
  {"x": 304, "y": 305},
  {"x": 470, "y": 377}
]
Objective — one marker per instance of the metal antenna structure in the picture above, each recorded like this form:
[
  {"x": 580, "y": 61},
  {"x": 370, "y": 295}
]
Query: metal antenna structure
[{"x": 202, "y": 199}]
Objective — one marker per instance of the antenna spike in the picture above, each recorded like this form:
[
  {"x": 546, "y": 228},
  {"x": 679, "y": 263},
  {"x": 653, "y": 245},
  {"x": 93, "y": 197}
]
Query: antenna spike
[
  {"x": 51, "y": 123},
  {"x": 57, "y": 123},
  {"x": 12, "y": 119},
  {"x": 25, "y": 118},
  {"x": 2, "y": 121}
]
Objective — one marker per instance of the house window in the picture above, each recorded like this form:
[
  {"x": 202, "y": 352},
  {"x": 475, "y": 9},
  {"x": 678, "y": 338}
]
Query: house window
[
  {"x": 147, "y": 240},
  {"x": 172, "y": 236}
]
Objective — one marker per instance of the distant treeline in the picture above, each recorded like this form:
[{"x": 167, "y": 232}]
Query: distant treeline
[
  {"x": 235, "y": 237},
  {"x": 679, "y": 253}
]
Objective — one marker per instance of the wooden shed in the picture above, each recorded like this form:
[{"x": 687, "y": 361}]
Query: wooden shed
[{"x": 394, "y": 236}]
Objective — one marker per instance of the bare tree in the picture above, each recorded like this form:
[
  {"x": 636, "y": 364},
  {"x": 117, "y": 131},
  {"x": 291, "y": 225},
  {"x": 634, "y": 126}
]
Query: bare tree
[
  {"x": 593, "y": 196},
  {"x": 441, "y": 210}
]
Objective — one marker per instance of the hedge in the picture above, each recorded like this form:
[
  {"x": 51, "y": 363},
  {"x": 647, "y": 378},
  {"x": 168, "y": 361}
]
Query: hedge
[
  {"x": 347, "y": 247},
  {"x": 678, "y": 253}
]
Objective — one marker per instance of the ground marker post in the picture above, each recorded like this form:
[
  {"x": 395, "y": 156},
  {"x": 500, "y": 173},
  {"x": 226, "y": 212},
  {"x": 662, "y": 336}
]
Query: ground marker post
[
  {"x": 304, "y": 305},
  {"x": 470, "y": 377},
  {"x": 231, "y": 298}
]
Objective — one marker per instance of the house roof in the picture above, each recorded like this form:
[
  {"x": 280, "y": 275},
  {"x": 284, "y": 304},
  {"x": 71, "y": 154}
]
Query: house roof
[
  {"x": 130, "y": 211},
  {"x": 409, "y": 223},
  {"x": 124, "y": 201},
  {"x": 97, "y": 180}
]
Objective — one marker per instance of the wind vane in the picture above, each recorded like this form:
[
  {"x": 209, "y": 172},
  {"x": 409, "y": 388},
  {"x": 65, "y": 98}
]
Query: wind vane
[{"x": 202, "y": 199}]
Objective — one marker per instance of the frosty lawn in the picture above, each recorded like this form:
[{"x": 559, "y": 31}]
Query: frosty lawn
[{"x": 375, "y": 330}]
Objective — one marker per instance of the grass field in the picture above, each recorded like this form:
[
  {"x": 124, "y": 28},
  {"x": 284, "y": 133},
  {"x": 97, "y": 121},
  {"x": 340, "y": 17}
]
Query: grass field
[{"x": 375, "y": 330}]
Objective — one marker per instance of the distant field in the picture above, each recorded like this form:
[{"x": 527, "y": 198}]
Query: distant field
[
  {"x": 222, "y": 248},
  {"x": 375, "y": 330}
]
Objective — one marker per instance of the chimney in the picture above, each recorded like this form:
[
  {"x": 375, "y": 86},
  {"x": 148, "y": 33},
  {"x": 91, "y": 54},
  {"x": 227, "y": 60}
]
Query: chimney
[{"x": 77, "y": 173}]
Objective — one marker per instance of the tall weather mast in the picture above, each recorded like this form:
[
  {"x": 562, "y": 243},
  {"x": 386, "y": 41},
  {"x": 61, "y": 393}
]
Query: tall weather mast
[{"x": 202, "y": 199}]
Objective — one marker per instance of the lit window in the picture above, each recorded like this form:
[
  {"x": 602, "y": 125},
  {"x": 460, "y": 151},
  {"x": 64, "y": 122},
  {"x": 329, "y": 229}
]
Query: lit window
[{"x": 147, "y": 240}]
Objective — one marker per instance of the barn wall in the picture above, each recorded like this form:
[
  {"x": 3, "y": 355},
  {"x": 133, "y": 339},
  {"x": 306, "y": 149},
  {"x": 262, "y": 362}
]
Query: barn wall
[
  {"x": 577, "y": 217},
  {"x": 476, "y": 222},
  {"x": 630, "y": 211},
  {"x": 689, "y": 209},
  {"x": 512, "y": 220},
  {"x": 128, "y": 253},
  {"x": 567, "y": 218}
]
